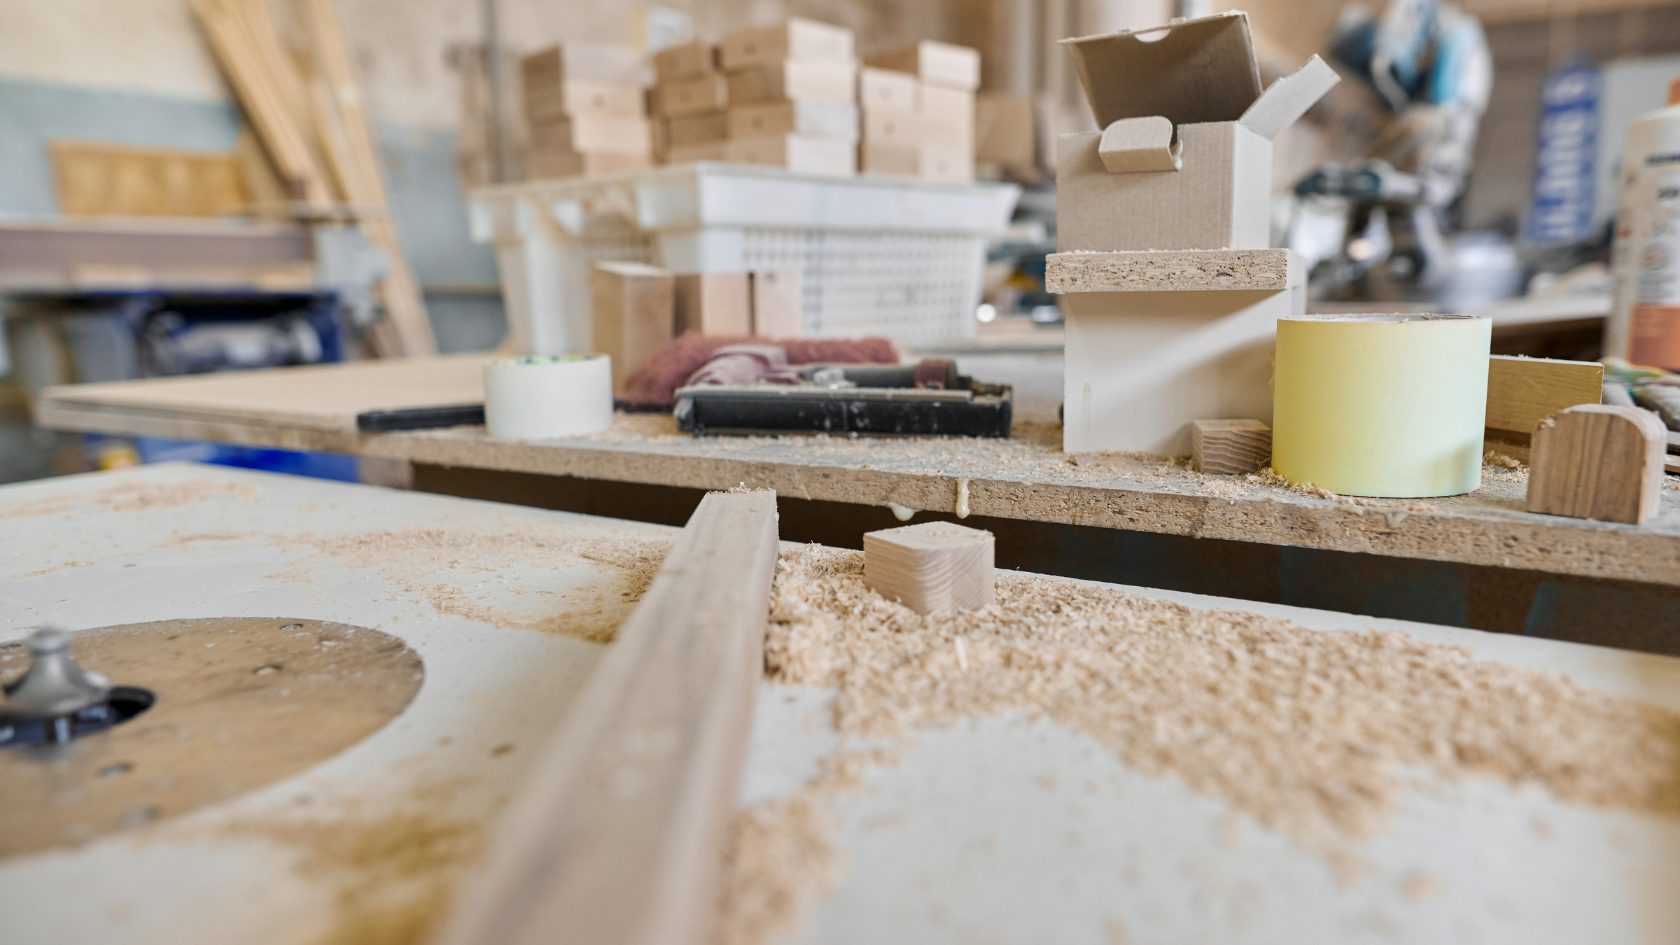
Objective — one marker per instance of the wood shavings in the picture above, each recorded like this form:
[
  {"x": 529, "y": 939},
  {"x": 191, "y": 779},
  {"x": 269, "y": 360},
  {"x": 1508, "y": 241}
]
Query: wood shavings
[
  {"x": 1270, "y": 477},
  {"x": 1499, "y": 460},
  {"x": 1310, "y": 733},
  {"x": 132, "y": 497}
]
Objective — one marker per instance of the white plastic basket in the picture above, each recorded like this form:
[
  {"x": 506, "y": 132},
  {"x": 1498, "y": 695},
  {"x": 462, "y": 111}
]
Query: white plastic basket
[{"x": 877, "y": 256}]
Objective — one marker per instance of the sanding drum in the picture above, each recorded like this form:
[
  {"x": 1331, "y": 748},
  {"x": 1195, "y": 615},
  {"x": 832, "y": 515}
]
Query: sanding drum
[
  {"x": 1381, "y": 405},
  {"x": 540, "y": 398}
]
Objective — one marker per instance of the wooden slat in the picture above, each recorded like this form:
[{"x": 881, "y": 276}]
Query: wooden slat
[
  {"x": 618, "y": 835},
  {"x": 101, "y": 178},
  {"x": 1524, "y": 391},
  {"x": 355, "y": 160}
]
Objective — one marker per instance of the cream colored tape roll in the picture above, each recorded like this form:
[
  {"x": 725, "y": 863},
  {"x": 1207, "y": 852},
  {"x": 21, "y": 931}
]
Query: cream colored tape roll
[
  {"x": 538, "y": 398},
  {"x": 1381, "y": 405}
]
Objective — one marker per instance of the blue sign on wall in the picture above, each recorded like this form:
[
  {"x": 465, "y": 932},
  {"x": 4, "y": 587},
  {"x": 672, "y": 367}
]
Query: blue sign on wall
[{"x": 1563, "y": 172}]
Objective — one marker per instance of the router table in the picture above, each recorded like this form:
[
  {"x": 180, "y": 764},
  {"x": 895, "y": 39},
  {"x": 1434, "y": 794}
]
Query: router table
[{"x": 452, "y": 635}]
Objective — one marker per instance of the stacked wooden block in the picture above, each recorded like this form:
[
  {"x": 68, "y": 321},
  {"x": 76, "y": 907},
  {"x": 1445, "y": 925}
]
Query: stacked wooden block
[
  {"x": 918, "y": 111},
  {"x": 690, "y": 103},
  {"x": 792, "y": 94},
  {"x": 585, "y": 105}
]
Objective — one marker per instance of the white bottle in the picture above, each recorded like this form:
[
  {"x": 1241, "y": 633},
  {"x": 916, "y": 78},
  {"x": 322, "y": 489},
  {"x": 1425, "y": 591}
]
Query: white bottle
[{"x": 1645, "y": 323}]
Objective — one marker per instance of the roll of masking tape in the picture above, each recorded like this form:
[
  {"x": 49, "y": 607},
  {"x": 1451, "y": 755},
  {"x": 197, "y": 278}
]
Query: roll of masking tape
[
  {"x": 538, "y": 398},
  {"x": 1381, "y": 405}
]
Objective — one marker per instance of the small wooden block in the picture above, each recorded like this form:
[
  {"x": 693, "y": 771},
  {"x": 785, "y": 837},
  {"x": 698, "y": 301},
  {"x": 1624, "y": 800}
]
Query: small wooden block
[
  {"x": 777, "y": 304},
  {"x": 714, "y": 303},
  {"x": 1598, "y": 462},
  {"x": 931, "y": 567},
  {"x": 632, "y": 306},
  {"x": 1524, "y": 391},
  {"x": 1220, "y": 447}
]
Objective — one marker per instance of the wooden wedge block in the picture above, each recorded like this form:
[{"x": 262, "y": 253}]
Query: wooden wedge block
[
  {"x": 1221, "y": 447},
  {"x": 713, "y": 303},
  {"x": 698, "y": 129},
  {"x": 954, "y": 67},
  {"x": 618, "y": 832},
  {"x": 1599, "y": 462},
  {"x": 1524, "y": 391},
  {"x": 931, "y": 567},
  {"x": 685, "y": 61},
  {"x": 796, "y": 39},
  {"x": 795, "y": 80},
  {"x": 697, "y": 96},
  {"x": 632, "y": 310},
  {"x": 777, "y": 304},
  {"x": 888, "y": 90}
]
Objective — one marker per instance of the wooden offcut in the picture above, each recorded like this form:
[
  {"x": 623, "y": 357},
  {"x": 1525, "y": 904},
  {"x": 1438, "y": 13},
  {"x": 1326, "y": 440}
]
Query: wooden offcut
[
  {"x": 618, "y": 834},
  {"x": 777, "y": 304},
  {"x": 98, "y": 178},
  {"x": 633, "y": 311},
  {"x": 1598, "y": 462},
  {"x": 1524, "y": 391},
  {"x": 1222, "y": 447},
  {"x": 930, "y": 568},
  {"x": 714, "y": 303}
]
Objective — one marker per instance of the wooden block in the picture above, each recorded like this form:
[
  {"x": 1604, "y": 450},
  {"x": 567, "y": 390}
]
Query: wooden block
[
  {"x": 617, "y": 833},
  {"x": 895, "y": 160},
  {"x": 955, "y": 67},
  {"x": 1222, "y": 447},
  {"x": 950, "y": 163},
  {"x": 814, "y": 119},
  {"x": 559, "y": 98},
  {"x": 698, "y": 129},
  {"x": 1005, "y": 132},
  {"x": 947, "y": 115},
  {"x": 697, "y": 96},
  {"x": 632, "y": 307},
  {"x": 599, "y": 62},
  {"x": 1524, "y": 391},
  {"x": 794, "y": 80},
  {"x": 888, "y": 90},
  {"x": 1598, "y": 462},
  {"x": 705, "y": 151},
  {"x": 795, "y": 39},
  {"x": 800, "y": 153},
  {"x": 568, "y": 163},
  {"x": 930, "y": 568},
  {"x": 892, "y": 128},
  {"x": 586, "y": 133},
  {"x": 778, "y": 304},
  {"x": 713, "y": 303},
  {"x": 686, "y": 61}
]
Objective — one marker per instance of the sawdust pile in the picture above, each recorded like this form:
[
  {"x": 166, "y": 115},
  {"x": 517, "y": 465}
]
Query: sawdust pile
[
  {"x": 445, "y": 566},
  {"x": 1310, "y": 733},
  {"x": 394, "y": 874},
  {"x": 132, "y": 497}
]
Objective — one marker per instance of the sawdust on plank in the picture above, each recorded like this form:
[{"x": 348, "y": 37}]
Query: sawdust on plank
[
  {"x": 132, "y": 497},
  {"x": 1310, "y": 733},
  {"x": 57, "y": 567},
  {"x": 445, "y": 566}
]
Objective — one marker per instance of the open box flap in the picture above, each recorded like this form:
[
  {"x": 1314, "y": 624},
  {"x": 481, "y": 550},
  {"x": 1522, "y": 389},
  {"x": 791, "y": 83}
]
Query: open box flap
[
  {"x": 1140, "y": 145},
  {"x": 1194, "y": 71},
  {"x": 1289, "y": 98}
]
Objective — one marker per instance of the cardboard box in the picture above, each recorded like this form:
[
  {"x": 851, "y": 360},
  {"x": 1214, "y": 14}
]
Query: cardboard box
[
  {"x": 686, "y": 61},
  {"x": 714, "y": 303},
  {"x": 804, "y": 117},
  {"x": 944, "y": 162},
  {"x": 697, "y": 129},
  {"x": 896, "y": 160},
  {"x": 947, "y": 113},
  {"x": 956, "y": 67},
  {"x": 1005, "y": 132},
  {"x": 631, "y": 306},
  {"x": 886, "y": 90},
  {"x": 554, "y": 97},
  {"x": 568, "y": 163},
  {"x": 707, "y": 151},
  {"x": 599, "y": 62},
  {"x": 778, "y": 304},
  {"x": 902, "y": 129},
  {"x": 1186, "y": 163},
  {"x": 588, "y": 133},
  {"x": 795, "y": 39},
  {"x": 796, "y": 153},
  {"x": 708, "y": 93},
  {"x": 1220, "y": 198},
  {"x": 795, "y": 80}
]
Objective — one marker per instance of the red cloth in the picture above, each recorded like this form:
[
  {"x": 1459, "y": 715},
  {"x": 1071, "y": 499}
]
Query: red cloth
[{"x": 656, "y": 383}]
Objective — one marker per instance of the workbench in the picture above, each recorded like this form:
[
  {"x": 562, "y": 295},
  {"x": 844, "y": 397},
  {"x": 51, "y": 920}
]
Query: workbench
[{"x": 1009, "y": 829}]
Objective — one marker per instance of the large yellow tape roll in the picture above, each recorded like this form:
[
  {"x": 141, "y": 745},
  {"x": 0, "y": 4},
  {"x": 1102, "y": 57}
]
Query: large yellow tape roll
[{"x": 1381, "y": 405}]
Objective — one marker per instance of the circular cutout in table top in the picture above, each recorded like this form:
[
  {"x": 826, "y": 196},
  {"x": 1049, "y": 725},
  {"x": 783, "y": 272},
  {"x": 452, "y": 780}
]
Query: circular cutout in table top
[{"x": 242, "y": 702}]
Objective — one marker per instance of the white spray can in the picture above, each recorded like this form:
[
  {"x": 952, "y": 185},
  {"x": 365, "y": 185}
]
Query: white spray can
[{"x": 1645, "y": 323}]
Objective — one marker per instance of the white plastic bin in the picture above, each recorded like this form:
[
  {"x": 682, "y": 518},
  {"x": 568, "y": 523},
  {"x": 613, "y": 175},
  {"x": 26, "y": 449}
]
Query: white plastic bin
[{"x": 877, "y": 255}]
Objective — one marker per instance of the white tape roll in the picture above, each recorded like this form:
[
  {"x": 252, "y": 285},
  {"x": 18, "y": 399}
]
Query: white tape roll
[
  {"x": 539, "y": 398},
  {"x": 1381, "y": 405}
]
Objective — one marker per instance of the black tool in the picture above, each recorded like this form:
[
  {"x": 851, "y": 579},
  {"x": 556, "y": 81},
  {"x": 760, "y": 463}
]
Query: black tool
[{"x": 420, "y": 418}]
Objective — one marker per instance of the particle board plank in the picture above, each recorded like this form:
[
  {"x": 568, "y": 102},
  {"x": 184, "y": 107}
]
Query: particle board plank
[
  {"x": 1027, "y": 477},
  {"x": 1175, "y": 270},
  {"x": 619, "y": 834}
]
